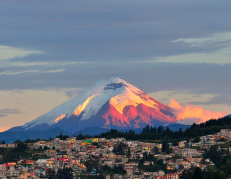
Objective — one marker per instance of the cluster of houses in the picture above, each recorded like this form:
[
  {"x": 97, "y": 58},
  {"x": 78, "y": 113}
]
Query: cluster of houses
[{"x": 74, "y": 153}]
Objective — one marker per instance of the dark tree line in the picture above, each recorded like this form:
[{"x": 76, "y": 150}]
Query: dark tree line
[
  {"x": 165, "y": 134},
  {"x": 159, "y": 133},
  {"x": 65, "y": 173},
  {"x": 2, "y": 142},
  {"x": 153, "y": 130}
]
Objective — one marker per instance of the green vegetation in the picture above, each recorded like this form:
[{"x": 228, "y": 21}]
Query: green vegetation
[
  {"x": 31, "y": 141},
  {"x": 3, "y": 142},
  {"x": 175, "y": 157},
  {"x": 222, "y": 168},
  {"x": 196, "y": 139},
  {"x": 92, "y": 165},
  {"x": 36, "y": 157},
  {"x": 115, "y": 170},
  {"x": 129, "y": 153},
  {"x": 100, "y": 176},
  {"x": 119, "y": 149},
  {"x": 197, "y": 173},
  {"x": 133, "y": 160},
  {"x": 14, "y": 154},
  {"x": 151, "y": 134},
  {"x": 196, "y": 147},
  {"x": 62, "y": 137},
  {"x": 225, "y": 145},
  {"x": 21, "y": 151},
  {"x": 158, "y": 164},
  {"x": 65, "y": 173}
]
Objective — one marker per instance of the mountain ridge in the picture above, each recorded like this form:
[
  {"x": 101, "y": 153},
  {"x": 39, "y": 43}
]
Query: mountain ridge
[{"x": 112, "y": 103}]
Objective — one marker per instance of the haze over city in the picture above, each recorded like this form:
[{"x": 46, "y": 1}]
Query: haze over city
[{"x": 178, "y": 52}]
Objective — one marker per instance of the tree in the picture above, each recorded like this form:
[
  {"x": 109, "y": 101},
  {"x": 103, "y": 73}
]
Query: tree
[
  {"x": 220, "y": 174},
  {"x": 105, "y": 167},
  {"x": 147, "y": 129},
  {"x": 3, "y": 142},
  {"x": 214, "y": 155},
  {"x": 21, "y": 147},
  {"x": 167, "y": 129},
  {"x": 196, "y": 139},
  {"x": 193, "y": 126},
  {"x": 181, "y": 167},
  {"x": 51, "y": 173},
  {"x": 119, "y": 169},
  {"x": 80, "y": 136},
  {"x": 141, "y": 162},
  {"x": 162, "y": 128},
  {"x": 151, "y": 130},
  {"x": 154, "y": 129},
  {"x": 65, "y": 173},
  {"x": 60, "y": 136},
  {"x": 159, "y": 130},
  {"x": 92, "y": 165},
  {"x": 67, "y": 136},
  {"x": 119, "y": 149},
  {"x": 165, "y": 147},
  {"x": 28, "y": 141},
  {"x": 197, "y": 172},
  {"x": 155, "y": 150},
  {"x": 129, "y": 152},
  {"x": 53, "y": 148},
  {"x": 45, "y": 148}
]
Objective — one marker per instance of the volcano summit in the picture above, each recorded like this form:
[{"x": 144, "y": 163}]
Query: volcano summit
[{"x": 112, "y": 103}]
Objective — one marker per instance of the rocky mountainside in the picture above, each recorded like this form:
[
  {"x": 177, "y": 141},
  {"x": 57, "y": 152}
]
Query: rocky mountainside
[{"x": 112, "y": 103}]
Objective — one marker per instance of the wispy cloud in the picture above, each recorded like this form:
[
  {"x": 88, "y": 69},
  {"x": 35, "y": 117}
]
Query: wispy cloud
[
  {"x": 8, "y": 52},
  {"x": 222, "y": 56},
  {"x": 203, "y": 41},
  {"x": 72, "y": 93},
  {"x": 47, "y": 64},
  {"x": 30, "y": 71},
  {"x": 7, "y": 111},
  {"x": 10, "y": 111}
]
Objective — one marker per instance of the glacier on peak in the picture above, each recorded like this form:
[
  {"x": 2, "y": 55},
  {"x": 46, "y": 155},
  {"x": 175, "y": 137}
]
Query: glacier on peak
[{"x": 90, "y": 101}]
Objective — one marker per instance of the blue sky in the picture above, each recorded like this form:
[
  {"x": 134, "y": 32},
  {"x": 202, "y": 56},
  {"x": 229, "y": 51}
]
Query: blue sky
[{"x": 170, "y": 49}]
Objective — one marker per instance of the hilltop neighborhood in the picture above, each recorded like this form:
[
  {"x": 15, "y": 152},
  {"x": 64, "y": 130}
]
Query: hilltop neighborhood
[{"x": 98, "y": 156}]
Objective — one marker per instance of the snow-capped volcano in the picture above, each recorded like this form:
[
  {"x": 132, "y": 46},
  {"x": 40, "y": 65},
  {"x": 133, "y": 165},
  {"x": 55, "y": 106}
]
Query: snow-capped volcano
[{"x": 112, "y": 103}]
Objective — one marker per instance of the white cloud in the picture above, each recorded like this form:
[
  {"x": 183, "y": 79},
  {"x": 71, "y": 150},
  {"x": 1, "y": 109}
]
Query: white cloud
[
  {"x": 220, "y": 57},
  {"x": 7, "y": 64},
  {"x": 73, "y": 92},
  {"x": 8, "y": 52},
  {"x": 10, "y": 111},
  {"x": 221, "y": 54},
  {"x": 215, "y": 38},
  {"x": 10, "y": 72}
]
